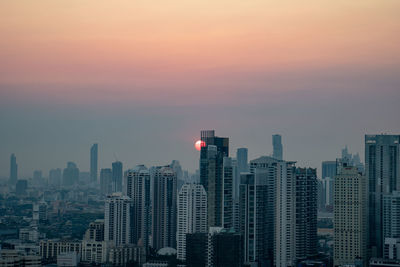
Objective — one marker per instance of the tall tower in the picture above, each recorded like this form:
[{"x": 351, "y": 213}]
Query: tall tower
[
  {"x": 241, "y": 157},
  {"x": 117, "y": 176},
  {"x": 253, "y": 219},
  {"x": 137, "y": 187},
  {"x": 285, "y": 215},
  {"x": 93, "y": 162},
  {"x": 117, "y": 219},
  {"x": 164, "y": 208},
  {"x": 350, "y": 217},
  {"x": 211, "y": 173},
  {"x": 264, "y": 170},
  {"x": 383, "y": 173},
  {"x": 192, "y": 214},
  {"x": 13, "y": 170},
  {"x": 277, "y": 145},
  {"x": 306, "y": 212}
]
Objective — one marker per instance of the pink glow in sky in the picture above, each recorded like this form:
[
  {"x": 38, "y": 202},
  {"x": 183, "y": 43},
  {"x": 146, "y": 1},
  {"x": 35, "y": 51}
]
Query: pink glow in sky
[{"x": 125, "y": 50}]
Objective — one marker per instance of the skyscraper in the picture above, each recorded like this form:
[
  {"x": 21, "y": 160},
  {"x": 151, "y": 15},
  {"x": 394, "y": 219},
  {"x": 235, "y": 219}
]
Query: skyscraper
[
  {"x": 13, "y": 170},
  {"x": 106, "y": 184},
  {"x": 306, "y": 212},
  {"x": 253, "y": 217},
  {"x": 117, "y": 176},
  {"x": 383, "y": 174},
  {"x": 242, "y": 162},
  {"x": 277, "y": 145},
  {"x": 264, "y": 170},
  {"x": 164, "y": 208},
  {"x": 285, "y": 215},
  {"x": 137, "y": 187},
  {"x": 328, "y": 174},
  {"x": 350, "y": 217},
  {"x": 211, "y": 173},
  {"x": 192, "y": 214},
  {"x": 227, "y": 191},
  {"x": 117, "y": 219},
  {"x": 93, "y": 162}
]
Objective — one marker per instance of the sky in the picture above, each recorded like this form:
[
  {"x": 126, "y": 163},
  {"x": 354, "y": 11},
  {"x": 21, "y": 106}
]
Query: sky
[{"x": 142, "y": 78}]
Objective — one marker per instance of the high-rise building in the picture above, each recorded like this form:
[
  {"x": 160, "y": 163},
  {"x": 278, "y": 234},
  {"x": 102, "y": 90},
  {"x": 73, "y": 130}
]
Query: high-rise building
[
  {"x": 70, "y": 174},
  {"x": 164, "y": 208},
  {"x": 95, "y": 232},
  {"x": 383, "y": 173},
  {"x": 211, "y": 173},
  {"x": 55, "y": 177},
  {"x": 117, "y": 219},
  {"x": 306, "y": 213},
  {"x": 253, "y": 217},
  {"x": 285, "y": 215},
  {"x": 391, "y": 225},
  {"x": 13, "y": 170},
  {"x": 93, "y": 162},
  {"x": 137, "y": 187},
  {"x": 117, "y": 176},
  {"x": 328, "y": 174},
  {"x": 261, "y": 188},
  {"x": 227, "y": 191},
  {"x": 106, "y": 181},
  {"x": 350, "y": 217},
  {"x": 277, "y": 146},
  {"x": 242, "y": 162},
  {"x": 192, "y": 215}
]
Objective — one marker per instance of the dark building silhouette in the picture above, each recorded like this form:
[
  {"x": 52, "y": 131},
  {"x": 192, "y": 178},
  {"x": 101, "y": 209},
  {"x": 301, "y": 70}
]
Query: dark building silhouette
[
  {"x": 117, "y": 176},
  {"x": 13, "y": 170},
  {"x": 93, "y": 162},
  {"x": 277, "y": 145},
  {"x": 227, "y": 249},
  {"x": 211, "y": 173},
  {"x": 242, "y": 162},
  {"x": 196, "y": 249}
]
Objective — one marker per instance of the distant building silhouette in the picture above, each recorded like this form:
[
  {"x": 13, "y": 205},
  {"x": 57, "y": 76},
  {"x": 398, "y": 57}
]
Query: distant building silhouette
[
  {"x": 93, "y": 162},
  {"x": 13, "y": 170},
  {"x": 117, "y": 174},
  {"x": 277, "y": 145},
  {"x": 242, "y": 162}
]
